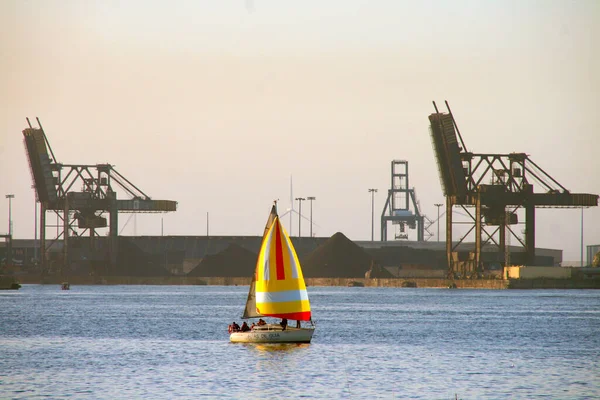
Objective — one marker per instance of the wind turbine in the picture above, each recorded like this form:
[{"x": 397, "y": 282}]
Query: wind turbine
[
  {"x": 291, "y": 201},
  {"x": 292, "y": 211}
]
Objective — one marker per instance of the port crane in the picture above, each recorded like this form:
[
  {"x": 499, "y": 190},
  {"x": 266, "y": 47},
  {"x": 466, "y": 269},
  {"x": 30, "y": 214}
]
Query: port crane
[
  {"x": 491, "y": 188},
  {"x": 80, "y": 195}
]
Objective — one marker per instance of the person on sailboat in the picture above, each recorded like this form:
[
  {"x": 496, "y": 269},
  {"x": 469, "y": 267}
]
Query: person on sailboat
[
  {"x": 261, "y": 322},
  {"x": 245, "y": 327},
  {"x": 234, "y": 327},
  {"x": 283, "y": 324}
]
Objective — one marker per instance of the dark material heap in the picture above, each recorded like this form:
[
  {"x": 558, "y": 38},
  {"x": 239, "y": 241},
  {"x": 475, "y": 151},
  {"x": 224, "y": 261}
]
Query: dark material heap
[
  {"x": 234, "y": 261},
  {"x": 378, "y": 272},
  {"x": 133, "y": 261},
  {"x": 408, "y": 257},
  {"x": 338, "y": 257}
]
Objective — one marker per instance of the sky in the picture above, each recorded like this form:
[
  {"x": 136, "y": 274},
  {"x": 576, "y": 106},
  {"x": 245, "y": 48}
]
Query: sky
[{"x": 216, "y": 105}]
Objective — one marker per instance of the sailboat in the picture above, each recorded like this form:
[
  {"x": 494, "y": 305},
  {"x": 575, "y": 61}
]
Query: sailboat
[{"x": 277, "y": 290}]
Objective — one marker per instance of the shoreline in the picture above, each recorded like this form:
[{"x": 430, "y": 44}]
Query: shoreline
[{"x": 494, "y": 284}]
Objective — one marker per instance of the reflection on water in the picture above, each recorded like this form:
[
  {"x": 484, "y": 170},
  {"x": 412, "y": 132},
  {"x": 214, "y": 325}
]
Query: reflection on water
[
  {"x": 275, "y": 347},
  {"x": 105, "y": 342}
]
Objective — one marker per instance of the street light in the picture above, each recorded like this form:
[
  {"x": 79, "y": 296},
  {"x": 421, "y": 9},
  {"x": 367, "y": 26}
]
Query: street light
[
  {"x": 311, "y": 198},
  {"x": 438, "y": 205},
  {"x": 9, "y": 252},
  {"x": 581, "y": 261},
  {"x": 10, "y": 197},
  {"x": 372, "y": 191},
  {"x": 300, "y": 199}
]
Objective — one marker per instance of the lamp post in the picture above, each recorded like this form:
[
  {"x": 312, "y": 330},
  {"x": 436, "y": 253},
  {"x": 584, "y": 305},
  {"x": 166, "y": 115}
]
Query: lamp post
[
  {"x": 581, "y": 262},
  {"x": 372, "y": 191},
  {"x": 438, "y": 205},
  {"x": 10, "y": 197},
  {"x": 311, "y": 198},
  {"x": 300, "y": 199},
  {"x": 9, "y": 252}
]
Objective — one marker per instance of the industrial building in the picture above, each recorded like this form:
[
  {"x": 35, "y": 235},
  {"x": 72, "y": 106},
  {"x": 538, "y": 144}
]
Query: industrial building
[{"x": 593, "y": 252}]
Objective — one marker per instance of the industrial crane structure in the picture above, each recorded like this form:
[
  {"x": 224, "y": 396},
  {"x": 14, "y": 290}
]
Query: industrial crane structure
[
  {"x": 401, "y": 207},
  {"x": 491, "y": 189},
  {"x": 80, "y": 195}
]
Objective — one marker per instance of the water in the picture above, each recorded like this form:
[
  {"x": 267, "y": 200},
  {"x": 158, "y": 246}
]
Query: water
[{"x": 163, "y": 342}]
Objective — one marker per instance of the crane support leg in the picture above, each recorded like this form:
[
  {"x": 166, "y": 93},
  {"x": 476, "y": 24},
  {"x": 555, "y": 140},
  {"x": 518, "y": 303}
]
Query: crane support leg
[
  {"x": 65, "y": 262},
  {"x": 530, "y": 234},
  {"x": 449, "y": 234},
  {"x": 113, "y": 232},
  {"x": 477, "y": 261},
  {"x": 502, "y": 240},
  {"x": 43, "y": 260}
]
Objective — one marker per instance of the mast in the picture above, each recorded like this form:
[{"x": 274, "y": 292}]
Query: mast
[{"x": 250, "y": 309}]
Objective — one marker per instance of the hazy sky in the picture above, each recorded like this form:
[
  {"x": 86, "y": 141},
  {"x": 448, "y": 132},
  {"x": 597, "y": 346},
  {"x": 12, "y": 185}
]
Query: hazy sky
[{"x": 215, "y": 104}]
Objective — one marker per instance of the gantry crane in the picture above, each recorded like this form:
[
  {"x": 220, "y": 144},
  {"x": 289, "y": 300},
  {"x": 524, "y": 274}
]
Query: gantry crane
[
  {"x": 496, "y": 186},
  {"x": 398, "y": 209},
  {"x": 81, "y": 193}
]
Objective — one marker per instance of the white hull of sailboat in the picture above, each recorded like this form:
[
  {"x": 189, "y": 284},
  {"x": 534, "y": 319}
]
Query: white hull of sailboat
[{"x": 290, "y": 335}]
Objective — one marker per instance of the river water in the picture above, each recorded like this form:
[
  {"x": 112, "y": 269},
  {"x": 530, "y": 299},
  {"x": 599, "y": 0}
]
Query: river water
[{"x": 164, "y": 342}]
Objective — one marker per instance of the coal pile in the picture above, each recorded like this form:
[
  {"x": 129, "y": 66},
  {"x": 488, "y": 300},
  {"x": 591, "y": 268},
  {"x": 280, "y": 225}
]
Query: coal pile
[
  {"x": 338, "y": 257},
  {"x": 133, "y": 261},
  {"x": 378, "y": 272},
  {"x": 234, "y": 261},
  {"x": 409, "y": 258}
]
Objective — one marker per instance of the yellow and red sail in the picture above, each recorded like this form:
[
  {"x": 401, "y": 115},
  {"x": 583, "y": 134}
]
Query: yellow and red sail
[{"x": 280, "y": 288}]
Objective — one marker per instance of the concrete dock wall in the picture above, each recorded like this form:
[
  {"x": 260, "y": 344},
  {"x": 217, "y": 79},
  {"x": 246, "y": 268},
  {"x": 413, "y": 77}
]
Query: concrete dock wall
[
  {"x": 537, "y": 272},
  {"x": 244, "y": 281},
  {"x": 541, "y": 283},
  {"x": 548, "y": 283}
]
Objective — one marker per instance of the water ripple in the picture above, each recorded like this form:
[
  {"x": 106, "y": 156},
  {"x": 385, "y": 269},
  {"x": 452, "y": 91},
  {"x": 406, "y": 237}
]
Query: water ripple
[{"x": 105, "y": 342}]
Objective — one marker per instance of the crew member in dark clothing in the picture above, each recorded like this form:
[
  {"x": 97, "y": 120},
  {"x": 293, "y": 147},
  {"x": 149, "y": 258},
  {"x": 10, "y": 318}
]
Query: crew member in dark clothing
[
  {"x": 245, "y": 327},
  {"x": 283, "y": 324}
]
